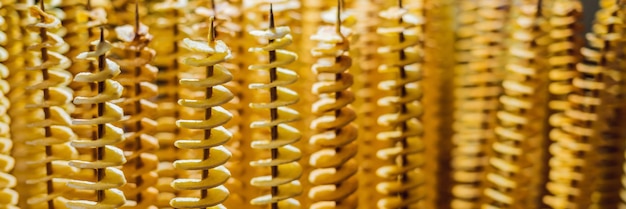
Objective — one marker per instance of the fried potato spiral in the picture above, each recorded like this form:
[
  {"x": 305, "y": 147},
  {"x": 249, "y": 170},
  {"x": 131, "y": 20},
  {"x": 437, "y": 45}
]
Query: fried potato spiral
[
  {"x": 138, "y": 79},
  {"x": 285, "y": 169},
  {"x": 214, "y": 154},
  {"x": 403, "y": 178},
  {"x": 107, "y": 156},
  {"x": 335, "y": 165}
]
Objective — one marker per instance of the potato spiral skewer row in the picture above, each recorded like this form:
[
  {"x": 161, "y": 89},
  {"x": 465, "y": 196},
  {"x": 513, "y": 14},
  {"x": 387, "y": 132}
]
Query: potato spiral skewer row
[
  {"x": 107, "y": 156},
  {"x": 285, "y": 169},
  {"x": 8, "y": 196},
  {"x": 138, "y": 77},
  {"x": 584, "y": 146},
  {"x": 214, "y": 154},
  {"x": 565, "y": 54},
  {"x": 402, "y": 176},
  {"x": 335, "y": 164},
  {"x": 517, "y": 135},
  {"x": 53, "y": 131}
]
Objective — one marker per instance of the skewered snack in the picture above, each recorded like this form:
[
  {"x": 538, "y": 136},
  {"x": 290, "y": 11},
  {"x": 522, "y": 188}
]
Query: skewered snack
[
  {"x": 600, "y": 127},
  {"x": 137, "y": 78},
  {"x": 238, "y": 144},
  {"x": 584, "y": 154},
  {"x": 286, "y": 13},
  {"x": 83, "y": 31},
  {"x": 335, "y": 165},
  {"x": 214, "y": 155},
  {"x": 565, "y": 54},
  {"x": 229, "y": 22},
  {"x": 108, "y": 178},
  {"x": 80, "y": 22},
  {"x": 478, "y": 87},
  {"x": 48, "y": 103},
  {"x": 465, "y": 192},
  {"x": 166, "y": 26},
  {"x": 8, "y": 196},
  {"x": 18, "y": 17},
  {"x": 402, "y": 176},
  {"x": 366, "y": 79},
  {"x": 517, "y": 136},
  {"x": 285, "y": 169},
  {"x": 608, "y": 175},
  {"x": 482, "y": 143}
]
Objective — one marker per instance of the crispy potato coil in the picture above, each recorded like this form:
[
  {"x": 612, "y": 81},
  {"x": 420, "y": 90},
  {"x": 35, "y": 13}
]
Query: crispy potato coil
[
  {"x": 602, "y": 168},
  {"x": 285, "y": 170},
  {"x": 334, "y": 161},
  {"x": 214, "y": 154},
  {"x": 49, "y": 105},
  {"x": 564, "y": 56},
  {"x": 402, "y": 176},
  {"x": 366, "y": 92},
  {"x": 518, "y": 136},
  {"x": 587, "y": 155},
  {"x": 9, "y": 197},
  {"x": 138, "y": 79},
  {"x": 229, "y": 28},
  {"x": 18, "y": 17},
  {"x": 481, "y": 38},
  {"x": 466, "y": 191},
  {"x": 107, "y": 157}
]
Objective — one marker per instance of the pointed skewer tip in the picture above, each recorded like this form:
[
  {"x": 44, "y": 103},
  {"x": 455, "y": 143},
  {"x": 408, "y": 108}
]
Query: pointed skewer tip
[
  {"x": 338, "y": 23},
  {"x": 136, "y": 16},
  {"x": 211, "y": 35},
  {"x": 101, "y": 33},
  {"x": 272, "y": 24}
]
